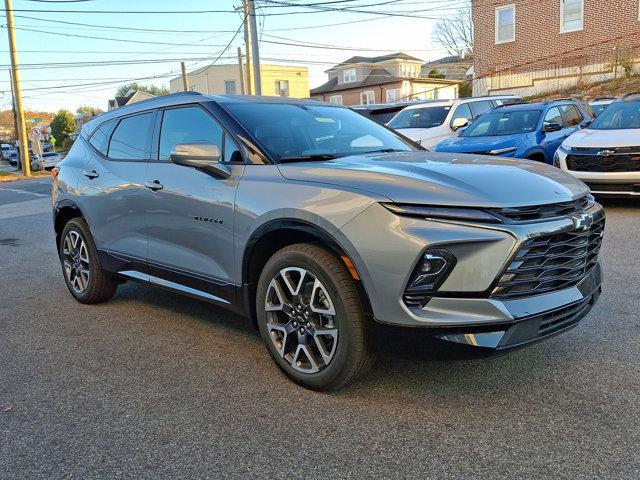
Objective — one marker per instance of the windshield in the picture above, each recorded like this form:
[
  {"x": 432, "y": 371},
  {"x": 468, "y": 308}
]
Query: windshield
[
  {"x": 598, "y": 108},
  {"x": 50, "y": 155},
  {"x": 293, "y": 131},
  {"x": 426, "y": 117},
  {"x": 503, "y": 123},
  {"x": 618, "y": 116}
]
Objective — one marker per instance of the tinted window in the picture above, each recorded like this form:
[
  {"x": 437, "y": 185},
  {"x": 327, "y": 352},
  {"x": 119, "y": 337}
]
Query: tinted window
[
  {"x": 294, "y": 131},
  {"x": 503, "y": 123},
  {"x": 420, "y": 117},
  {"x": 231, "y": 151},
  {"x": 131, "y": 137},
  {"x": 187, "y": 125},
  {"x": 463, "y": 111},
  {"x": 479, "y": 108},
  {"x": 46, "y": 155},
  {"x": 572, "y": 115},
  {"x": 553, "y": 116},
  {"x": 100, "y": 138},
  {"x": 618, "y": 116}
]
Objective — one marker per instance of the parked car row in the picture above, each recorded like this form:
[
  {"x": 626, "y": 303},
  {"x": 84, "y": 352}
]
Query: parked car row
[
  {"x": 46, "y": 161},
  {"x": 605, "y": 152}
]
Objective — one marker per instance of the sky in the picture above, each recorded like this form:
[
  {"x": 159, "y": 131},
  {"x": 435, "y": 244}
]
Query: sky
[{"x": 46, "y": 45}]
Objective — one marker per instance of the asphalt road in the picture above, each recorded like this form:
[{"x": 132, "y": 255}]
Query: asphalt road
[{"x": 154, "y": 385}]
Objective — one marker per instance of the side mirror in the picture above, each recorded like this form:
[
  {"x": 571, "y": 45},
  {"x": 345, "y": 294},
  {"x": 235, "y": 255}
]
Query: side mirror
[
  {"x": 585, "y": 123},
  {"x": 458, "y": 123},
  {"x": 201, "y": 156},
  {"x": 552, "y": 127}
]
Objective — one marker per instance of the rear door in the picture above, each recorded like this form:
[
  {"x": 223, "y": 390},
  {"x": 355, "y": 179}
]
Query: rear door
[
  {"x": 190, "y": 213},
  {"x": 112, "y": 186}
]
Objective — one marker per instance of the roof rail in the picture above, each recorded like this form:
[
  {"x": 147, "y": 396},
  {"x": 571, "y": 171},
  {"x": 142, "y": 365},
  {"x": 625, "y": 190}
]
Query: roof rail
[{"x": 609, "y": 97}]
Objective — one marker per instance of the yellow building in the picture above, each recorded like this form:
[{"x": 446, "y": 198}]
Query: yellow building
[{"x": 277, "y": 80}]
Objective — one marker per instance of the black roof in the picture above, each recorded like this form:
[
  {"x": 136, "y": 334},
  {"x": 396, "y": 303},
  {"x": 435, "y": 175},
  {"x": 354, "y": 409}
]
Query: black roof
[{"x": 378, "y": 59}]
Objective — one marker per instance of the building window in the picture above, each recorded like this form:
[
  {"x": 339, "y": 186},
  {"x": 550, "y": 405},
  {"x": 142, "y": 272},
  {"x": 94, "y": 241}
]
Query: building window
[
  {"x": 393, "y": 95},
  {"x": 229, "y": 87},
  {"x": 335, "y": 99},
  {"x": 505, "y": 24},
  {"x": 367, "y": 97},
  {"x": 282, "y": 88},
  {"x": 349, "y": 75},
  {"x": 571, "y": 15}
]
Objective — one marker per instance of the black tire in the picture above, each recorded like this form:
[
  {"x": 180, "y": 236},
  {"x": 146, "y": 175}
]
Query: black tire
[
  {"x": 100, "y": 286},
  {"x": 352, "y": 356}
]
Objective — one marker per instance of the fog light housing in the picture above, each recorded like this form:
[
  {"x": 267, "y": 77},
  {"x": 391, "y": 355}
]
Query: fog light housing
[{"x": 432, "y": 270}]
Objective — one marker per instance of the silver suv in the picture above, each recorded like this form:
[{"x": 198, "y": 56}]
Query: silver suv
[{"x": 316, "y": 222}]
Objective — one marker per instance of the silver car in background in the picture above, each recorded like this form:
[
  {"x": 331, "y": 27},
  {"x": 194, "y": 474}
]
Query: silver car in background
[{"x": 316, "y": 222}]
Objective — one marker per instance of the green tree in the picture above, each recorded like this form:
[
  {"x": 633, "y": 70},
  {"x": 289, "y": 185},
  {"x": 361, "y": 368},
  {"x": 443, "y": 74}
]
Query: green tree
[
  {"x": 152, "y": 89},
  {"x": 62, "y": 125},
  {"x": 88, "y": 109}
]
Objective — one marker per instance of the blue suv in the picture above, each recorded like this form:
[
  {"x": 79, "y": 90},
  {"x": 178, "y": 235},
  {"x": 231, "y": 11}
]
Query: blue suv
[{"x": 526, "y": 130}]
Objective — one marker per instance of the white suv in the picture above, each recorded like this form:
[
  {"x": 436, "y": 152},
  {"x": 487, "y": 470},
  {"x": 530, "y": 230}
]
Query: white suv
[
  {"x": 606, "y": 154},
  {"x": 430, "y": 123}
]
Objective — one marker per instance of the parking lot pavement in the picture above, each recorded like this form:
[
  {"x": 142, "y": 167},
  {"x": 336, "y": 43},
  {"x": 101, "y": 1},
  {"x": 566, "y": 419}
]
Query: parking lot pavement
[{"x": 154, "y": 385}]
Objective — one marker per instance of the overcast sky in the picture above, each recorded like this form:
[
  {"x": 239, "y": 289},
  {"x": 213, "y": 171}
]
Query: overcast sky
[{"x": 198, "y": 37}]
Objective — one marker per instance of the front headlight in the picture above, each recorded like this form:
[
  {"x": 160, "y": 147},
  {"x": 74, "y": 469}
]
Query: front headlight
[
  {"x": 565, "y": 149},
  {"x": 500, "y": 151},
  {"x": 441, "y": 213}
]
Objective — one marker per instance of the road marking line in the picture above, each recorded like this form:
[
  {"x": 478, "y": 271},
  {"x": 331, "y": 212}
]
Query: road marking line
[{"x": 14, "y": 190}]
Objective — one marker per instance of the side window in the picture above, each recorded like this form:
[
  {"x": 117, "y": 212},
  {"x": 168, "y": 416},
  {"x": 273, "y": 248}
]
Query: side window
[
  {"x": 231, "y": 151},
  {"x": 100, "y": 137},
  {"x": 131, "y": 137},
  {"x": 187, "y": 125},
  {"x": 463, "y": 111},
  {"x": 571, "y": 115},
  {"x": 553, "y": 116},
  {"x": 479, "y": 108}
]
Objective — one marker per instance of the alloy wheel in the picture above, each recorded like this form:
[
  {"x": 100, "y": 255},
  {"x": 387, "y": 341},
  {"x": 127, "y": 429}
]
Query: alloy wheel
[
  {"x": 301, "y": 320},
  {"x": 75, "y": 261}
]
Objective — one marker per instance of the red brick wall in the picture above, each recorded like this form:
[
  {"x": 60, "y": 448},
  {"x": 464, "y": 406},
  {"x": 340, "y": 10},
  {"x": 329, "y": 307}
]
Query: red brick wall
[
  {"x": 352, "y": 96},
  {"x": 539, "y": 43}
]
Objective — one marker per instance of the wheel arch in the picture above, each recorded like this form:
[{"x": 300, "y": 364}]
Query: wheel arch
[
  {"x": 536, "y": 154},
  {"x": 277, "y": 234},
  {"x": 62, "y": 213}
]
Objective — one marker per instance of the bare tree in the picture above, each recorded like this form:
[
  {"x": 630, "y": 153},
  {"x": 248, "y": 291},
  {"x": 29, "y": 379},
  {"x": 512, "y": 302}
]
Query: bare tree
[{"x": 455, "y": 33}]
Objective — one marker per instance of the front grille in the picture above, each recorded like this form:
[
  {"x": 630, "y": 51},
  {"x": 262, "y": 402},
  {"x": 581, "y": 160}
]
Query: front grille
[
  {"x": 564, "y": 317},
  {"x": 551, "y": 262},
  {"x": 620, "y": 161},
  {"x": 538, "y": 212}
]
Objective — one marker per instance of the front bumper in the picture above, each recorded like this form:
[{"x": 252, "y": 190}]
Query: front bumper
[{"x": 464, "y": 307}]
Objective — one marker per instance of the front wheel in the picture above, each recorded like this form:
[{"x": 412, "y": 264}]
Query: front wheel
[{"x": 311, "y": 319}]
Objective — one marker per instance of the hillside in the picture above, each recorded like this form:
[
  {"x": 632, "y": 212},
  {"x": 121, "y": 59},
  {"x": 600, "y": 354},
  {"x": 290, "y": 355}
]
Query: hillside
[{"x": 612, "y": 88}]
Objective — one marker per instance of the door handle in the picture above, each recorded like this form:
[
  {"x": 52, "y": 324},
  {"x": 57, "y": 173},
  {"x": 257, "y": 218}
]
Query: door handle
[
  {"x": 155, "y": 185},
  {"x": 91, "y": 174}
]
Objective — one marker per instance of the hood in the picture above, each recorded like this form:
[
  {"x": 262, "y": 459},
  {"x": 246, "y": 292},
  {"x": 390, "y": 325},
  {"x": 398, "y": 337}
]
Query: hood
[
  {"x": 479, "y": 144},
  {"x": 590, "y": 138},
  {"x": 416, "y": 134},
  {"x": 444, "y": 179}
]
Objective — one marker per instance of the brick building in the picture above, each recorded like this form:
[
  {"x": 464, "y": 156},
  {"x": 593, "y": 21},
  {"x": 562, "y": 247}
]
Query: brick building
[
  {"x": 530, "y": 47},
  {"x": 386, "y": 78}
]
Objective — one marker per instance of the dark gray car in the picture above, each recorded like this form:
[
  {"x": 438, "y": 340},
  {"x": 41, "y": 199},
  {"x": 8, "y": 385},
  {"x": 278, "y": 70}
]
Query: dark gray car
[{"x": 314, "y": 222}]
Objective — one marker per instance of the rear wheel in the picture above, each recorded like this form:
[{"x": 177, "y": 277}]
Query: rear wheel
[
  {"x": 84, "y": 277},
  {"x": 311, "y": 319}
]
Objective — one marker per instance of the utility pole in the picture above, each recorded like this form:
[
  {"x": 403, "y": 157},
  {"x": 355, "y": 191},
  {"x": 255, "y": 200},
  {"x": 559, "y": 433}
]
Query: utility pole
[
  {"x": 247, "y": 46},
  {"x": 255, "y": 50},
  {"x": 185, "y": 82},
  {"x": 15, "y": 76},
  {"x": 13, "y": 105},
  {"x": 241, "y": 72}
]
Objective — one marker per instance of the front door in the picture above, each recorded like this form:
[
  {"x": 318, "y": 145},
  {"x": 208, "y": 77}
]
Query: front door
[
  {"x": 552, "y": 140},
  {"x": 191, "y": 213}
]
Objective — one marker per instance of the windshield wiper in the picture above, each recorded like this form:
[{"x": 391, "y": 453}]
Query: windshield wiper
[
  {"x": 307, "y": 158},
  {"x": 385, "y": 150}
]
